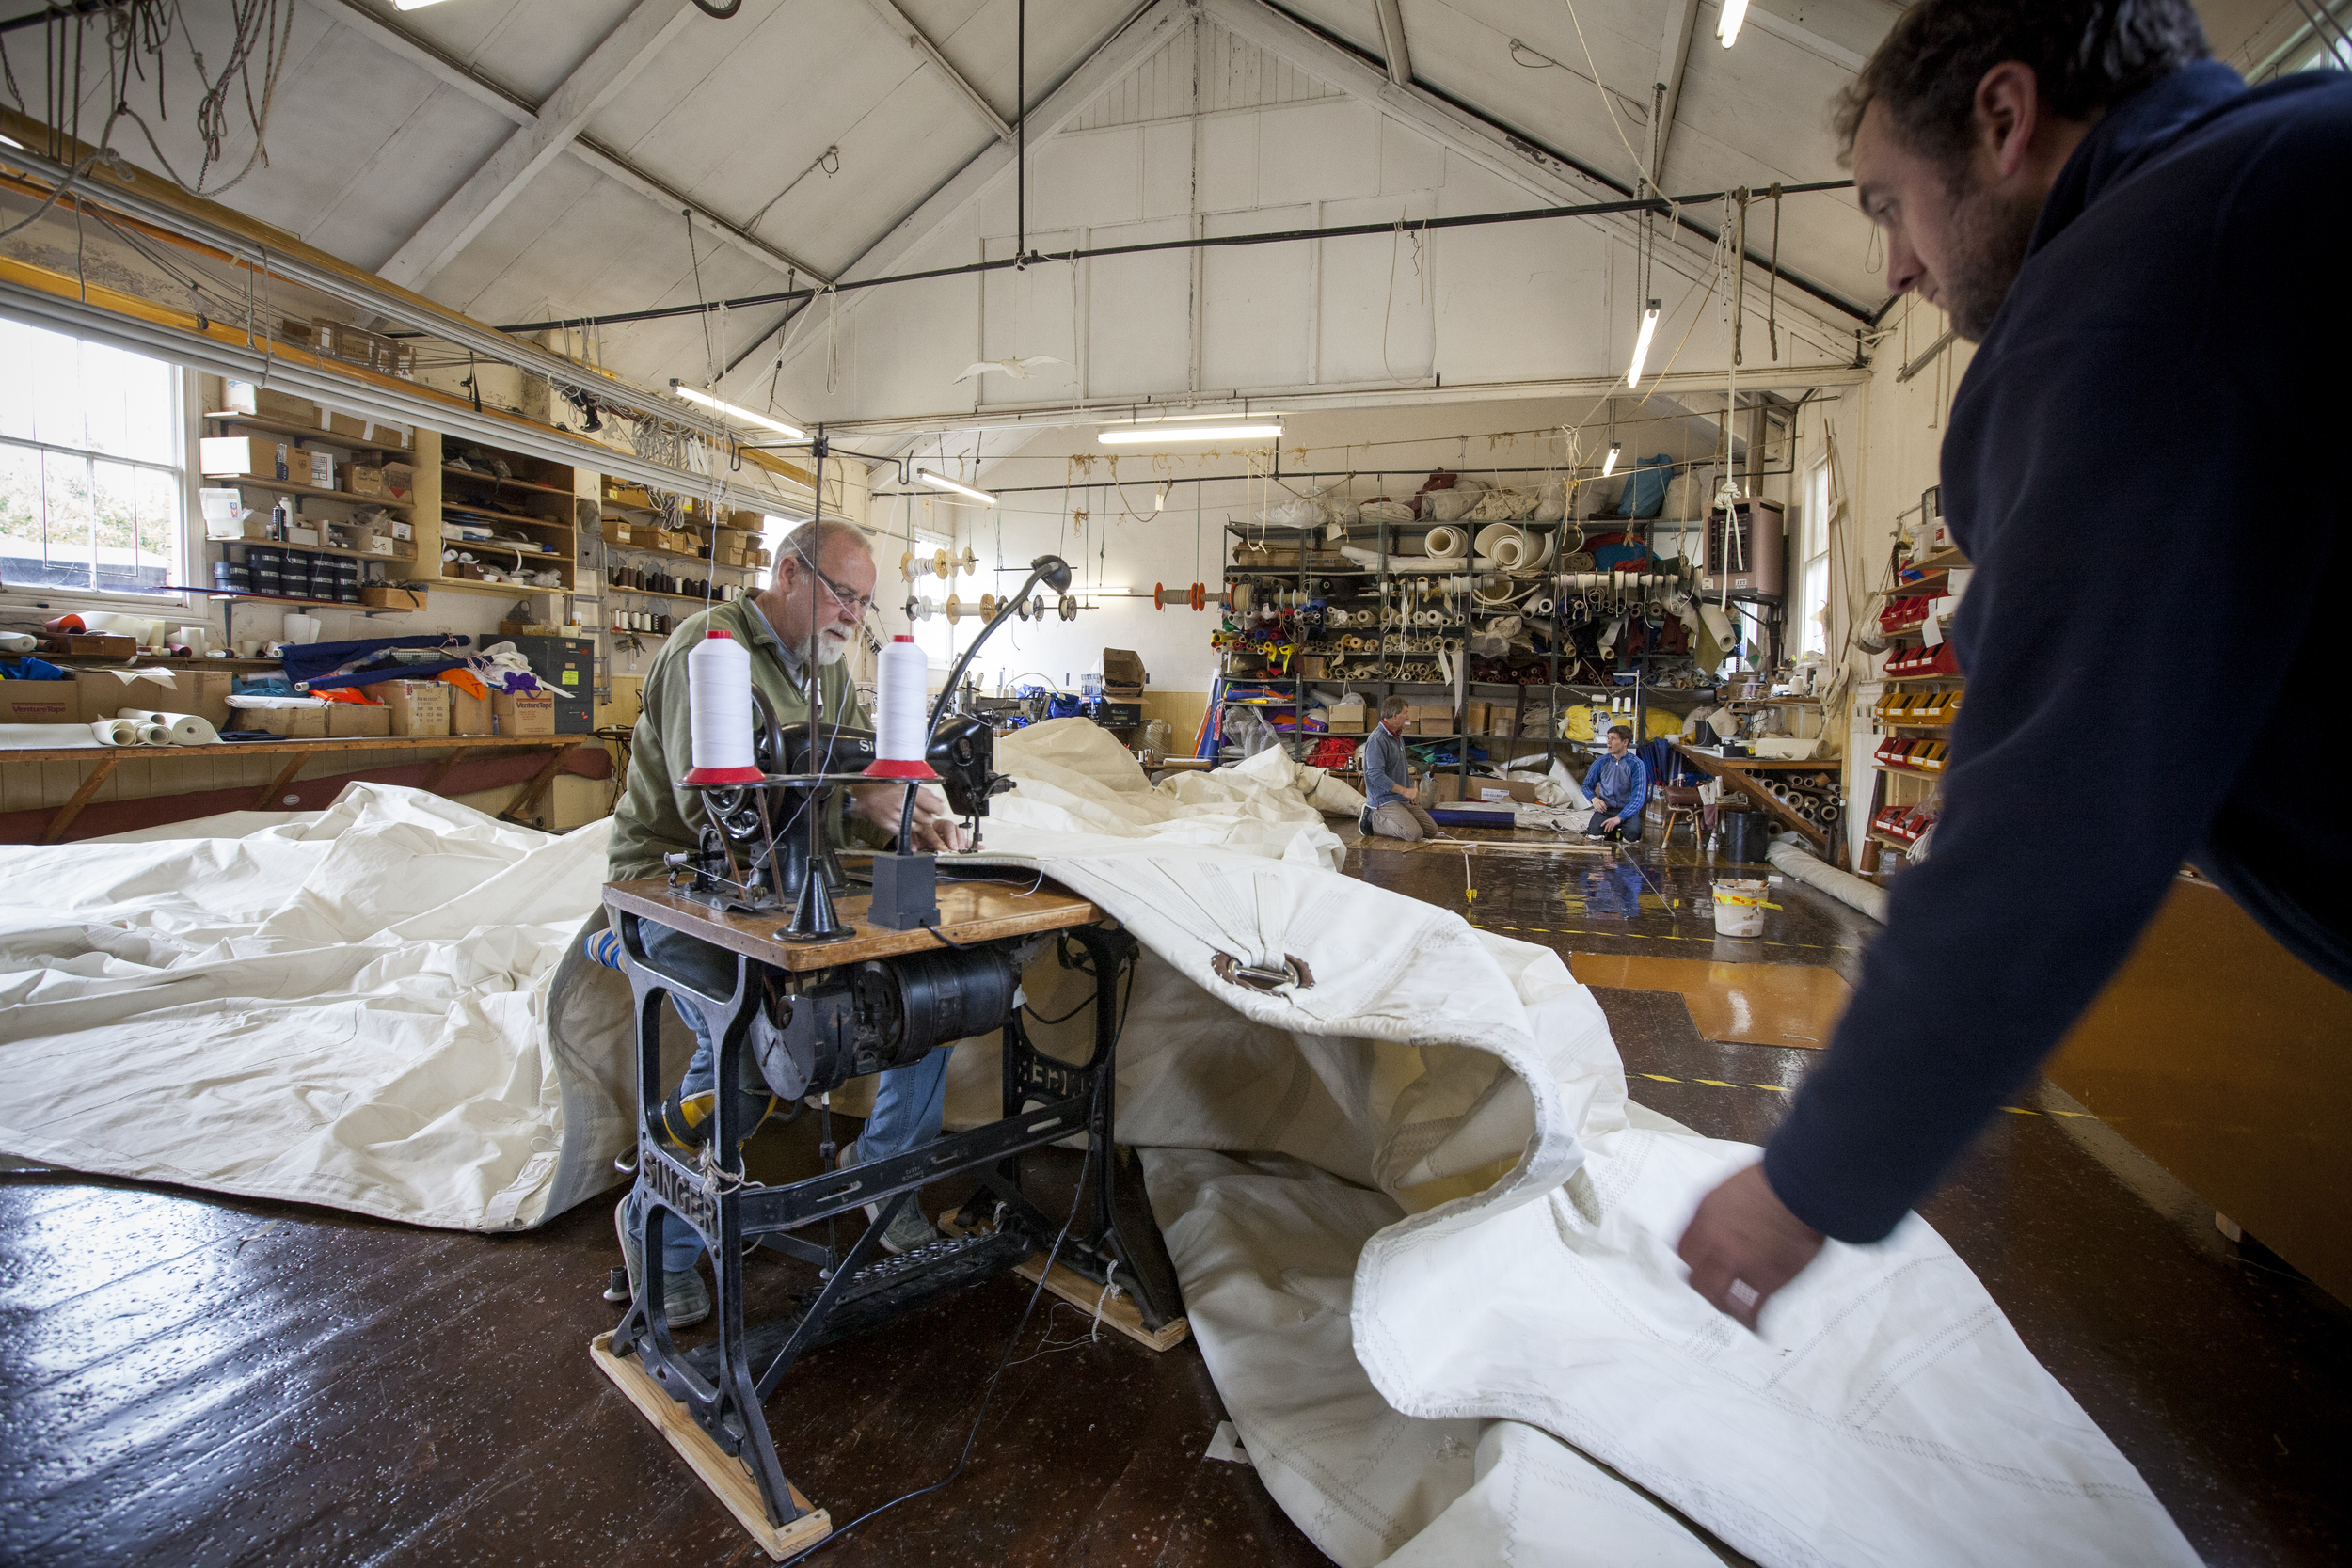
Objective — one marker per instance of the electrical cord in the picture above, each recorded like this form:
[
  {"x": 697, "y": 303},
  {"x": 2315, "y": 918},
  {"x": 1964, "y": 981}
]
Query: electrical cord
[{"x": 1085, "y": 1168}]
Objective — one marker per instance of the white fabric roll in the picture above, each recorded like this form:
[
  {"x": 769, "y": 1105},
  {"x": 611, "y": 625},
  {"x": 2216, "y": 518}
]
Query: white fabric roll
[
  {"x": 45, "y": 738},
  {"x": 154, "y": 735},
  {"x": 1443, "y": 541},
  {"x": 180, "y": 729},
  {"x": 116, "y": 731}
]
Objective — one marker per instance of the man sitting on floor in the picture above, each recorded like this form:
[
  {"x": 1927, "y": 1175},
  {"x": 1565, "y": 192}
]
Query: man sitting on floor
[
  {"x": 822, "y": 587},
  {"x": 1390, "y": 798},
  {"x": 1617, "y": 784}
]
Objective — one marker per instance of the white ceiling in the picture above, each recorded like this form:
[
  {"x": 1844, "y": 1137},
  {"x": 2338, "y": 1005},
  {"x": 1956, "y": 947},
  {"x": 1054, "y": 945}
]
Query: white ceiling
[{"x": 382, "y": 116}]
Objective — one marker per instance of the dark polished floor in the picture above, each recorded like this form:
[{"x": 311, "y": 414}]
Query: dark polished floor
[{"x": 187, "y": 1380}]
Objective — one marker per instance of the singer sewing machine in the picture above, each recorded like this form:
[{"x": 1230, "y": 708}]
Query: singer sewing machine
[{"x": 837, "y": 992}]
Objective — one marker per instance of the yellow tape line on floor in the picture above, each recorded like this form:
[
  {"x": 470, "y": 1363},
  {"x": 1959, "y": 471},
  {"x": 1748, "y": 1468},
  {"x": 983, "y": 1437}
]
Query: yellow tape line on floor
[{"x": 1782, "y": 1088}]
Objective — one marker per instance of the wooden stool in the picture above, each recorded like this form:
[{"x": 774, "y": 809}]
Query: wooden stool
[{"x": 1681, "y": 801}]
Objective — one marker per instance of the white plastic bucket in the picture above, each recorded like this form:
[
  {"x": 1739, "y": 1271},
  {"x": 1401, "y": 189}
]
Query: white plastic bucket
[{"x": 1740, "y": 907}]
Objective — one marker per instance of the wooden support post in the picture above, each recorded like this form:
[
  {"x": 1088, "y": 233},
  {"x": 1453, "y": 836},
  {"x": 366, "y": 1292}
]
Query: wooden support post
[
  {"x": 267, "y": 798},
  {"x": 54, "y": 832},
  {"x": 528, "y": 801},
  {"x": 443, "y": 769}
]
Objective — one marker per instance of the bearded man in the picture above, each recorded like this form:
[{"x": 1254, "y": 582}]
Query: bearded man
[
  {"x": 2136, "y": 463},
  {"x": 823, "y": 588}
]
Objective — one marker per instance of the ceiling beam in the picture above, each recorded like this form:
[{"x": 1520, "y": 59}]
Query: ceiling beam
[
  {"x": 1399, "y": 59},
  {"x": 1674, "y": 56},
  {"x": 456, "y": 75},
  {"x": 1131, "y": 42},
  {"x": 528, "y": 148},
  {"x": 896, "y": 20}
]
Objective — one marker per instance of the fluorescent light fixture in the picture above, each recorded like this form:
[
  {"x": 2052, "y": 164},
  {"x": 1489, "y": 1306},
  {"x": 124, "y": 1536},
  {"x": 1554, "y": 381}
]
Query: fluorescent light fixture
[
  {"x": 1608, "y": 464},
  {"x": 1728, "y": 24},
  {"x": 944, "y": 482},
  {"x": 731, "y": 411},
  {"x": 414, "y": 4},
  {"x": 1129, "y": 435},
  {"x": 1640, "y": 344}
]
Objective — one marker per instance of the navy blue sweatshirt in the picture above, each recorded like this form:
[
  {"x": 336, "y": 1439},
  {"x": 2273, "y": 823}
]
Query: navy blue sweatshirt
[{"x": 2145, "y": 464}]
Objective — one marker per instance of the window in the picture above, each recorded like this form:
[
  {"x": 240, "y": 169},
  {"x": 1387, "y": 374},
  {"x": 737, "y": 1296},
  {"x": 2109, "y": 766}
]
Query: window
[
  {"x": 91, "y": 481},
  {"x": 1813, "y": 562},
  {"x": 932, "y": 633}
]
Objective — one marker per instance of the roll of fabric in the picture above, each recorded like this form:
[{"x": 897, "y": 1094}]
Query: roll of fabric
[
  {"x": 115, "y": 731},
  {"x": 180, "y": 729},
  {"x": 1445, "y": 541}
]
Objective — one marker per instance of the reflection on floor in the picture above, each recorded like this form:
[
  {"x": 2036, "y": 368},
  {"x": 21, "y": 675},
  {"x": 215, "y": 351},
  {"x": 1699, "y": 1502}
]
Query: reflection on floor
[
  {"x": 188, "y": 1380},
  {"x": 1752, "y": 1003},
  {"x": 2216, "y": 1370}
]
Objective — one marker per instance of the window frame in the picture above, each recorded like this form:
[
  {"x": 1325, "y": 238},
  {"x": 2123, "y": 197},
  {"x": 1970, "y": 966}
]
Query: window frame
[
  {"x": 187, "y": 405},
  {"x": 1813, "y": 549}
]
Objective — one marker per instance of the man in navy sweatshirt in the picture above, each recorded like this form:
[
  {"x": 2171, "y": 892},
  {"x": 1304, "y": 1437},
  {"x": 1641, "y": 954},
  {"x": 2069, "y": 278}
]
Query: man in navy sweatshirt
[{"x": 2139, "y": 464}]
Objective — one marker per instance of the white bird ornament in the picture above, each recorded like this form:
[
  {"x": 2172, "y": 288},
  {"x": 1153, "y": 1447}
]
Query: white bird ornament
[{"x": 1017, "y": 368}]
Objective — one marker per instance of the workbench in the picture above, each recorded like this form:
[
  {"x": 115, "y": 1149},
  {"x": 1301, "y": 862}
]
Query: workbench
[
  {"x": 707, "y": 1403},
  {"x": 297, "y": 754},
  {"x": 1746, "y": 774}
]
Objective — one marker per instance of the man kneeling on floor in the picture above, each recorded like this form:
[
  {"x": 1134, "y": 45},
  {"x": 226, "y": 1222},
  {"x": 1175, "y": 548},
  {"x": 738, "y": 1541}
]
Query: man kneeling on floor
[
  {"x": 1391, "y": 807},
  {"x": 823, "y": 585},
  {"x": 1617, "y": 784}
]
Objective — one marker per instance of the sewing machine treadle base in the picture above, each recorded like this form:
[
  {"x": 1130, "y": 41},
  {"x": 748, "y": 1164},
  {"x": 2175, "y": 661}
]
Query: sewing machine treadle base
[{"x": 1118, "y": 1310}]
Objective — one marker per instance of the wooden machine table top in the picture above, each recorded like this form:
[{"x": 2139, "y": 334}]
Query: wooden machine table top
[
  {"x": 968, "y": 912},
  {"x": 1713, "y": 763}
]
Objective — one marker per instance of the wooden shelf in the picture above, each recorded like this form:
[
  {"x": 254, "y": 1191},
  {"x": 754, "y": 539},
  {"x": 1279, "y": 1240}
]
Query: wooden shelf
[
  {"x": 1907, "y": 772},
  {"x": 657, "y": 594},
  {"x": 1934, "y": 582},
  {"x": 410, "y": 559},
  {"x": 1943, "y": 560},
  {"x": 677, "y": 555},
  {"x": 481, "y": 478},
  {"x": 287, "y": 486},
  {"x": 1922, "y": 680},
  {"x": 508, "y": 590},
  {"x": 523, "y": 518},
  {"x": 1876, "y": 836},
  {"x": 288, "y": 599},
  {"x": 307, "y": 432}
]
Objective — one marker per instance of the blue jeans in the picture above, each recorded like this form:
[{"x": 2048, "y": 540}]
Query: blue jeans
[{"x": 909, "y": 1102}]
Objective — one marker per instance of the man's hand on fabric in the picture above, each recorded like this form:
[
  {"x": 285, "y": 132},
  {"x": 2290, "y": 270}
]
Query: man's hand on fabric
[
  {"x": 1743, "y": 1244},
  {"x": 936, "y": 829},
  {"x": 1613, "y": 823}
]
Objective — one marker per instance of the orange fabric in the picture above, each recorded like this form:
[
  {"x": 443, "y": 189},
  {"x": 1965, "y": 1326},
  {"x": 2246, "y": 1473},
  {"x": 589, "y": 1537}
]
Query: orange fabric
[
  {"x": 468, "y": 682},
  {"x": 347, "y": 694}
]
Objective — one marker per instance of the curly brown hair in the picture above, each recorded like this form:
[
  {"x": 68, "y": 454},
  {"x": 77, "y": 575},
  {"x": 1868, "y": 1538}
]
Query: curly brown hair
[{"x": 2088, "y": 56}]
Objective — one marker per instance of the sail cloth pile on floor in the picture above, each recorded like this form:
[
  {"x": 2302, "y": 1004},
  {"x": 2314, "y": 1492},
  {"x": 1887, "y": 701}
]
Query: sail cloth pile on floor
[{"x": 1425, "y": 1239}]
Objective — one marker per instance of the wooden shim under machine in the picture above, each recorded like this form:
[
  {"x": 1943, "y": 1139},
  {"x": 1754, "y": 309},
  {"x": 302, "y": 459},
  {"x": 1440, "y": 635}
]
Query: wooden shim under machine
[
  {"x": 1117, "y": 1309},
  {"x": 729, "y": 1478}
]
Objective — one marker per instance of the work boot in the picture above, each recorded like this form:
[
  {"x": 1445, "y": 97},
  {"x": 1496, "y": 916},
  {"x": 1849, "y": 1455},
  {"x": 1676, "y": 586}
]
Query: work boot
[
  {"x": 684, "y": 1300},
  {"x": 910, "y": 1229}
]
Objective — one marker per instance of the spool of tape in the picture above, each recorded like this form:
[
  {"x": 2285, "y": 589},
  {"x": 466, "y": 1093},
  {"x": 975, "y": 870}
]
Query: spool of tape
[
  {"x": 906, "y": 566},
  {"x": 1199, "y": 596},
  {"x": 988, "y": 606},
  {"x": 953, "y": 610},
  {"x": 1069, "y": 608},
  {"x": 1159, "y": 596},
  {"x": 969, "y": 562}
]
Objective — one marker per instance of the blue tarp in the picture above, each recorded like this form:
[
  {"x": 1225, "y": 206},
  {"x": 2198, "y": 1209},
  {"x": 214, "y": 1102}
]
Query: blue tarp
[{"x": 313, "y": 666}]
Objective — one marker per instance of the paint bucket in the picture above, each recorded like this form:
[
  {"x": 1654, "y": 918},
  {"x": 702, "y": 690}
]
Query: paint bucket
[
  {"x": 1741, "y": 837},
  {"x": 1740, "y": 907}
]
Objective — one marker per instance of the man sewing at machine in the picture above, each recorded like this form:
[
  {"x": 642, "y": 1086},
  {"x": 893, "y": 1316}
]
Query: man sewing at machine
[{"x": 822, "y": 587}]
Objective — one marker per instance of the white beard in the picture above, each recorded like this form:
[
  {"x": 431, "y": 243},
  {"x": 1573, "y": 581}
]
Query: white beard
[{"x": 832, "y": 646}]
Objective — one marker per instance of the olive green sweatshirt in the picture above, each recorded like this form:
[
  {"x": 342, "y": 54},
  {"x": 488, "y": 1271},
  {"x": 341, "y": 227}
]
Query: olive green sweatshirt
[{"x": 657, "y": 816}]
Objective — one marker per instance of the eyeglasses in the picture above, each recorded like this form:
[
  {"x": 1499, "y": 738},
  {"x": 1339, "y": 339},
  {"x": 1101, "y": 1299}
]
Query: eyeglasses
[{"x": 856, "y": 604}]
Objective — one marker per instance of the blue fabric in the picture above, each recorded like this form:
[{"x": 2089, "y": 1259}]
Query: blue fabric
[
  {"x": 30, "y": 669},
  {"x": 2063, "y": 824},
  {"x": 1386, "y": 768},
  {"x": 1624, "y": 782},
  {"x": 1646, "y": 487},
  {"x": 909, "y": 1101},
  {"x": 313, "y": 666}
]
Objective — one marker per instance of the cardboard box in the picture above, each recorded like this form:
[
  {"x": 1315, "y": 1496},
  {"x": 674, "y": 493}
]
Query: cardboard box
[
  {"x": 418, "y": 708},
  {"x": 294, "y": 723},
  {"x": 348, "y": 425},
  {"x": 746, "y": 522},
  {"x": 1432, "y": 726},
  {"x": 240, "y": 456},
  {"x": 1449, "y": 786},
  {"x": 617, "y": 530},
  {"x": 1351, "y": 723},
  {"x": 244, "y": 397},
  {"x": 1123, "y": 674},
  {"x": 40, "y": 703},
  {"x": 467, "y": 714},
  {"x": 193, "y": 690},
  {"x": 365, "y": 478},
  {"x": 399, "y": 479},
  {"x": 392, "y": 599},
  {"x": 357, "y": 720},
  {"x": 255, "y": 529},
  {"x": 321, "y": 472},
  {"x": 95, "y": 644},
  {"x": 1475, "y": 714},
  {"x": 524, "y": 712},
  {"x": 1305, "y": 667}
]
